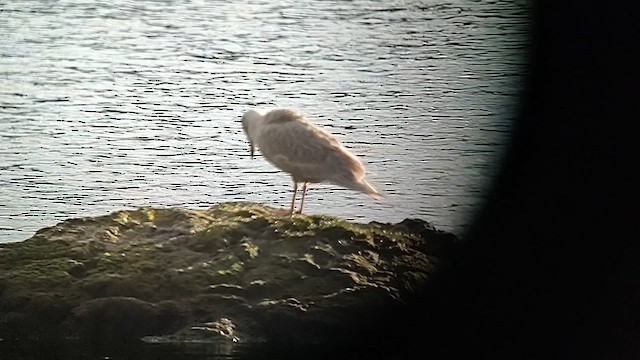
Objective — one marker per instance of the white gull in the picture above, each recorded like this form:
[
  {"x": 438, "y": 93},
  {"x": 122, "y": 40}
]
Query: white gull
[{"x": 310, "y": 154}]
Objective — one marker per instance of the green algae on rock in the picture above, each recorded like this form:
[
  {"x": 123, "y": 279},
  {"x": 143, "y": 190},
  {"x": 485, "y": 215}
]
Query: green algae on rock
[{"x": 233, "y": 272}]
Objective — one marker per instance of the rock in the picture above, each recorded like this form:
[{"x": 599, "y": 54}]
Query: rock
[
  {"x": 117, "y": 319},
  {"x": 232, "y": 273}
]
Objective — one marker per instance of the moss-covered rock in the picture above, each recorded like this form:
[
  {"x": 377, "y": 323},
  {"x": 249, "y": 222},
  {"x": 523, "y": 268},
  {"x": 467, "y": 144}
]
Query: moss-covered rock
[{"x": 234, "y": 272}]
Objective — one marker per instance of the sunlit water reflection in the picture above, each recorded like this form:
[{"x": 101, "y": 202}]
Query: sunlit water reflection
[{"x": 123, "y": 104}]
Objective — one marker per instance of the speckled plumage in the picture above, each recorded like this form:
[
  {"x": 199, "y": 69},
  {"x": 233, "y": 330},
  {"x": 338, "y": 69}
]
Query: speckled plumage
[{"x": 288, "y": 140}]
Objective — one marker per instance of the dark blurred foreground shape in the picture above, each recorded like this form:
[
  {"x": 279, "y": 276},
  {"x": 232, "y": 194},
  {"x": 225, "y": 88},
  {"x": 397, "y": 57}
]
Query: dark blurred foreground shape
[{"x": 548, "y": 270}]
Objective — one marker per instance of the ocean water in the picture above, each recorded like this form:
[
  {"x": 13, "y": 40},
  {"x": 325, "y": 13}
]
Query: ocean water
[{"x": 123, "y": 104}]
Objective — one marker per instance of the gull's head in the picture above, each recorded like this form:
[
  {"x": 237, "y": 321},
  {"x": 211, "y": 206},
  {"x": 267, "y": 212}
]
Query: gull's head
[{"x": 250, "y": 123}]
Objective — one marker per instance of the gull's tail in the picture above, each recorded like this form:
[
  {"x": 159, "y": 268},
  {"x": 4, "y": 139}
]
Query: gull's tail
[{"x": 365, "y": 187}]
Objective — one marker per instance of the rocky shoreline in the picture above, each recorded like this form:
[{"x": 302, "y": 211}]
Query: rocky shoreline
[{"x": 233, "y": 273}]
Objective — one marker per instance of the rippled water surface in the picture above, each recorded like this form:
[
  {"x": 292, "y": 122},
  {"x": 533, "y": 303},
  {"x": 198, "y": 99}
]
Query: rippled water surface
[{"x": 124, "y": 104}]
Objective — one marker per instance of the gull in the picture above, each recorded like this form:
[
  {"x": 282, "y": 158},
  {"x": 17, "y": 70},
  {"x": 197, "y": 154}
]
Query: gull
[{"x": 310, "y": 154}]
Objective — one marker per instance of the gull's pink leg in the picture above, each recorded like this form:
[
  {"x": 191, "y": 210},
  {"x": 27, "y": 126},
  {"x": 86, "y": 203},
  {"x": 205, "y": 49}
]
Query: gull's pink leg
[
  {"x": 293, "y": 201},
  {"x": 304, "y": 191}
]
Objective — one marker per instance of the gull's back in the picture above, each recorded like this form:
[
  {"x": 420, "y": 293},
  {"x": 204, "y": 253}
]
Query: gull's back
[{"x": 307, "y": 152}]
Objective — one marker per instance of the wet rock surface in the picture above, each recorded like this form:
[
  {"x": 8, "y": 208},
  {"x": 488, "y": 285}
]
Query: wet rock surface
[{"x": 233, "y": 273}]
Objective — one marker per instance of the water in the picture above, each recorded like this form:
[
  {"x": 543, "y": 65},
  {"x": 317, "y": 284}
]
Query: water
[{"x": 123, "y": 104}]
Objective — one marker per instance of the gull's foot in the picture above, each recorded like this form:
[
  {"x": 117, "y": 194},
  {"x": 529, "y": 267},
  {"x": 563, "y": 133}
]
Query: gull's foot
[{"x": 299, "y": 212}]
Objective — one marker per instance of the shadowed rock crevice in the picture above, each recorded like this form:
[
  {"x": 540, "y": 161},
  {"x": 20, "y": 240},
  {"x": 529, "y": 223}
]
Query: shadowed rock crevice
[{"x": 233, "y": 273}]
